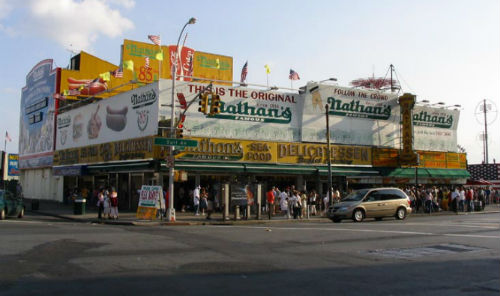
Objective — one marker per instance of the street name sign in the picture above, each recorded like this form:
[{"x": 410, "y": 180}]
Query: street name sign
[{"x": 175, "y": 142}]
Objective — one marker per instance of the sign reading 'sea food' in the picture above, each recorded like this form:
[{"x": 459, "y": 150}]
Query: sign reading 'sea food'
[
  {"x": 357, "y": 116},
  {"x": 129, "y": 115},
  {"x": 435, "y": 128},
  {"x": 245, "y": 113}
]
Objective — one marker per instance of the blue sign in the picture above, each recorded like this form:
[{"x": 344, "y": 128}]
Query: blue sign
[
  {"x": 36, "y": 139},
  {"x": 13, "y": 165}
]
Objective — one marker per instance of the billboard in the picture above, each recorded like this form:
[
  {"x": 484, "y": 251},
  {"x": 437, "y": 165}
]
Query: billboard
[
  {"x": 13, "y": 165},
  {"x": 246, "y": 113},
  {"x": 137, "y": 52},
  {"x": 212, "y": 66},
  {"x": 435, "y": 128},
  {"x": 129, "y": 115},
  {"x": 357, "y": 116},
  {"x": 36, "y": 127},
  {"x": 84, "y": 77}
]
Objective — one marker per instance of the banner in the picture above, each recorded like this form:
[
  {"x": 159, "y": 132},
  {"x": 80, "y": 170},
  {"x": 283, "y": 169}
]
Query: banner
[
  {"x": 137, "y": 52},
  {"x": 435, "y": 128},
  {"x": 184, "y": 63},
  {"x": 212, "y": 66},
  {"x": 248, "y": 114},
  {"x": 150, "y": 201},
  {"x": 36, "y": 130},
  {"x": 133, "y": 149},
  {"x": 13, "y": 165},
  {"x": 274, "y": 152},
  {"x": 357, "y": 116},
  {"x": 129, "y": 115}
]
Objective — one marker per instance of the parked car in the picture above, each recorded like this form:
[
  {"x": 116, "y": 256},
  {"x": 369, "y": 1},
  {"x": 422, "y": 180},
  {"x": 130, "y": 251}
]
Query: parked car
[
  {"x": 371, "y": 203},
  {"x": 10, "y": 205}
]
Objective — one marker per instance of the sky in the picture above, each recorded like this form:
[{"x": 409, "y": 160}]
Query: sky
[{"x": 442, "y": 50}]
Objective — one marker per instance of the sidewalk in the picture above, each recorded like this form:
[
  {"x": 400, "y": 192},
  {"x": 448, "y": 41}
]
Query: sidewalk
[{"x": 65, "y": 211}]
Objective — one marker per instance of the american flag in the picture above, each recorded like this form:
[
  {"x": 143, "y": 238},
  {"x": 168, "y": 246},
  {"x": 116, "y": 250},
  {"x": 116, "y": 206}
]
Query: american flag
[
  {"x": 7, "y": 137},
  {"x": 244, "y": 72},
  {"x": 487, "y": 172},
  {"x": 293, "y": 75},
  {"x": 118, "y": 73},
  {"x": 155, "y": 39},
  {"x": 147, "y": 62}
]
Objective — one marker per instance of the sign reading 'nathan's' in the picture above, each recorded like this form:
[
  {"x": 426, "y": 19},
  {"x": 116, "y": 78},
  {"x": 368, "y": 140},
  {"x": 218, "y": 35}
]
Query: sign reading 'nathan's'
[
  {"x": 272, "y": 152},
  {"x": 245, "y": 113},
  {"x": 357, "y": 116}
]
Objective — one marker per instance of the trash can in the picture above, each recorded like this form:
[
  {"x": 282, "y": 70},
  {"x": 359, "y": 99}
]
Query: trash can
[
  {"x": 79, "y": 206},
  {"x": 35, "y": 204}
]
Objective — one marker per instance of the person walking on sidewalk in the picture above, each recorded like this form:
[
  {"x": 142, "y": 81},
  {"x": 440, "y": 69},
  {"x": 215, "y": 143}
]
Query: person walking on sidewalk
[
  {"x": 196, "y": 200},
  {"x": 270, "y": 202},
  {"x": 114, "y": 203},
  {"x": 100, "y": 203},
  {"x": 107, "y": 204}
]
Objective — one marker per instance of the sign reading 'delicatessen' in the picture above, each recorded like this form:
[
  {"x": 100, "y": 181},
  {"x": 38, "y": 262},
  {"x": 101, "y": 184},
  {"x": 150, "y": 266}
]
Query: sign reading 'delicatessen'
[
  {"x": 245, "y": 113},
  {"x": 357, "y": 116},
  {"x": 129, "y": 115},
  {"x": 435, "y": 128}
]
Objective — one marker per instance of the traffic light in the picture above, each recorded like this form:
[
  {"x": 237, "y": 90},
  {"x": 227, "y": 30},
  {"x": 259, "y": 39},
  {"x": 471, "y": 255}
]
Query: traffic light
[
  {"x": 179, "y": 131},
  {"x": 215, "y": 105},
  {"x": 203, "y": 104}
]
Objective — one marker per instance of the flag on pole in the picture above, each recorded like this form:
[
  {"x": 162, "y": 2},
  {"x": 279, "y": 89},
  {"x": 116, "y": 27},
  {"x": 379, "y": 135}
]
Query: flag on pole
[
  {"x": 244, "y": 72},
  {"x": 155, "y": 39},
  {"x": 147, "y": 62},
  {"x": 128, "y": 65},
  {"x": 118, "y": 73},
  {"x": 7, "y": 137},
  {"x": 105, "y": 76},
  {"x": 268, "y": 70},
  {"x": 190, "y": 73},
  {"x": 159, "y": 56},
  {"x": 293, "y": 75}
]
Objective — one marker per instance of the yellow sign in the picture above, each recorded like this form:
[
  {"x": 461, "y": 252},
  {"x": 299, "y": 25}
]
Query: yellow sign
[
  {"x": 408, "y": 156},
  {"x": 388, "y": 157},
  {"x": 212, "y": 66},
  {"x": 146, "y": 213},
  {"x": 88, "y": 79},
  {"x": 145, "y": 60},
  {"x": 429, "y": 159},
  {"x": 273, "y": 152},
  {"x": 456, "y": 160},
  {"x": 141, "y": 148},
  {"x": 385, "y": 157}
]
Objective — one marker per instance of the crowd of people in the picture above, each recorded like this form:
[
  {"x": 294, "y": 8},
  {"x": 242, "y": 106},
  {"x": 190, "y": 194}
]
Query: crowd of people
[{"x": 443, "y": 198}]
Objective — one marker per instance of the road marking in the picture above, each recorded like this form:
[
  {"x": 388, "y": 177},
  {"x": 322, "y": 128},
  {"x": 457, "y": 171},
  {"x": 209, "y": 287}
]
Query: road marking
[
  {"x": 434, "y": 250},
  {"x": 367, "y": 230},
  {"x": 471, "y": 225},
  {"x": 22, "y": 221}
]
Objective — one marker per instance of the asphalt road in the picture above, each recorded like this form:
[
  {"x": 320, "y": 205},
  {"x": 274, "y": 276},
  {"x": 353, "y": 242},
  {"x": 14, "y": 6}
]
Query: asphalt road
[{"x": 435, "y": 255}]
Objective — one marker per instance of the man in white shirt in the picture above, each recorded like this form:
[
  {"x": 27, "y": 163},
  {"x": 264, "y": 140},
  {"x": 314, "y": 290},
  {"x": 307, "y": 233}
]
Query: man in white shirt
[
  {"x": 461, "y": 200},
  {"x": 196, "y": 200}
]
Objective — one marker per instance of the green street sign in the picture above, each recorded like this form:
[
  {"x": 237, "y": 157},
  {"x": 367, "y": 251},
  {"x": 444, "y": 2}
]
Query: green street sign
[{"x": 175, "y": 142}]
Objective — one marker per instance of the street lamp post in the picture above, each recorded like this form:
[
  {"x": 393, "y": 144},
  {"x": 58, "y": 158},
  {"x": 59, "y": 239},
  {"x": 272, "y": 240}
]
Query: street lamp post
[
  {"x": 171, "y": 210},
  {"x": 328, "y": 151}
]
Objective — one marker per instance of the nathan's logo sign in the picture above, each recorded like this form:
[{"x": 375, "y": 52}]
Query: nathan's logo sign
[
  {"x": 431, "y": 120},
  {"x": 63, "y": 121},
  {"x": 208, "y": 150},
  {"x": 355, "y": 108},
  {"x": 144, "y": 99},
  {"x": 245, "y": 112}
]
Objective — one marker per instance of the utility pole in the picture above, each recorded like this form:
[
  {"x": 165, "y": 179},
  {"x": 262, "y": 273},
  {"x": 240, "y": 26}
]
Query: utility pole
[
  {"x": 485, "y": 138},
  {"x": 328, "y": 151}
]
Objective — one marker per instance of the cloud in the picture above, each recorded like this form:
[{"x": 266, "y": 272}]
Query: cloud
[
  {"x": 5, "y": 8},
  {"x": 78, "y": 23}
]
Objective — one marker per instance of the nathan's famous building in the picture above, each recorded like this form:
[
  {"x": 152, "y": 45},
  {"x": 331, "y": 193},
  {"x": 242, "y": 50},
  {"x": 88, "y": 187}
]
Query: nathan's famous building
[{"x": 94, "y": 125}]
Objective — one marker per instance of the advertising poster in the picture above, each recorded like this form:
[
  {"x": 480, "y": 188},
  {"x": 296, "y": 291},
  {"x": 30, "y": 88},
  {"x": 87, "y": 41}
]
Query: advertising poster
[
  {"x": 36, "y": 127},
  {"x": 242, "y": 194},
  {"x": 357, "y": 116},
  {"x": 129, "y": 115},
  {"x": 212, "y": 66},
  {"x": 435, "y": 128},
  {"x": 248, "y": 114},
  {"x": 150, "y": 201},
  {"x": 84, "y": 77},
  {"x": 137, "y": 52},
  {"x": 13, "y": 165},
  {"x": 185, "y": 63}
]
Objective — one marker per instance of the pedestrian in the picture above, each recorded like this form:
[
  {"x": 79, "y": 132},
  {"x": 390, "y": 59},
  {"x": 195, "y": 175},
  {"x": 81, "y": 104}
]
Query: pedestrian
[
  {"x": 114, "y": 203},
  {"x": 296, "y": 204},
  {"x": 210, "y": 204},
  {"x": 312, "y": 202},
  {"x": 270, "y": 202},
  {"x": 107, "y": 204},
  {"x": 203, "y": 200},
  {"x": 303, "y": 204},
  {"x": 196, "y": 200},
  {"x": 284, "y": 206},
  {"x": 100, "y": 203}
]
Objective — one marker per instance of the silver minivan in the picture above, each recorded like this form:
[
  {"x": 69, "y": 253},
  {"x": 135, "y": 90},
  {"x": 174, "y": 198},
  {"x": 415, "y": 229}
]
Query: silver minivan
[{"x": 371, "y": 203}]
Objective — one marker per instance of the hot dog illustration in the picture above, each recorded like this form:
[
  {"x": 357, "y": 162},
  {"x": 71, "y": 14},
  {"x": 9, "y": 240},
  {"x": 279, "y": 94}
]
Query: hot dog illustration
[
  {"x": 94, "y": 125},
  {"x": 90, "y": 87},
  {"x": 116, "y": 119}
]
